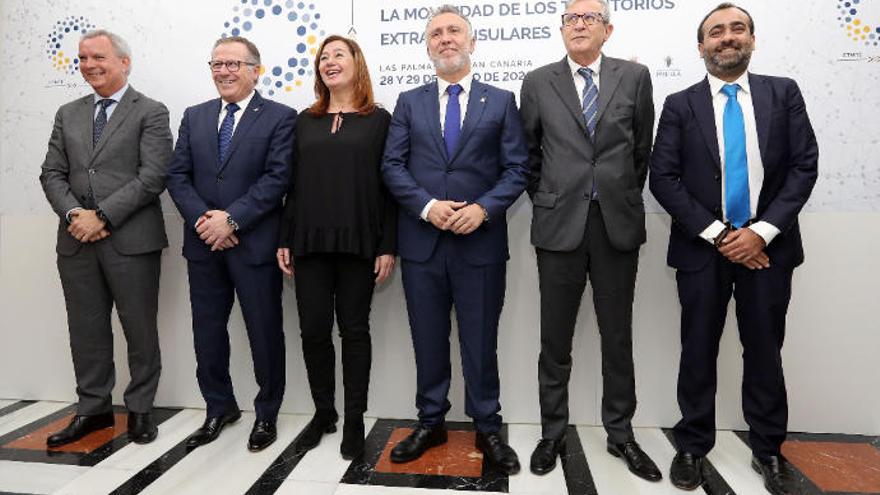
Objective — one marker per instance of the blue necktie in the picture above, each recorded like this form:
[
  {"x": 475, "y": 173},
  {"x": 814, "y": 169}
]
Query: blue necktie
[
  {"x": 736, "y": 167},
  {"x": 224, "y": 137},
  {"x": 452, "y": 122},
  {"x": 590, "y": 108},
  {"x": 100, "y": 120}
]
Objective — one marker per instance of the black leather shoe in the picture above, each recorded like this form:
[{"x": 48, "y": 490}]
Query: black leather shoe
[
  {"x": 420, "y": 440},
  {"x": 210, "y": 430},
  {"x": 776, "y": 473},
  {"x": 322, "y": 422},
  {"x": 544, "y": 456},
  {"x": 498, "y": 452},
  {"x": 79, "y": 427},
  {"x": 262, "y": 435},
  {"x": 686, "y": 471},
  {"x": 636, "y": 459},
  {"x": 141, "y": 428},
  {"x": 352, "y": 445}
]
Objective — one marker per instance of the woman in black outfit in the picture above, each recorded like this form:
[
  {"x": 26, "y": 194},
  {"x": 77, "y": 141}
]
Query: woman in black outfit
[{"x": 338, "y": 235}]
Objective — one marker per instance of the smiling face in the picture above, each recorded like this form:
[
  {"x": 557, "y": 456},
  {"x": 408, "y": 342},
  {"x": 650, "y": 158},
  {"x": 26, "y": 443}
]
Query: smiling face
[
  {"x": 450, "y": 46},
  {"x": 234, "y": 86},
  {"x": 582, "y": 42},
  {"x": 337, "y": 66},
  {"x": 101, "y": 66},
  {"x": 727, "y": 44}
]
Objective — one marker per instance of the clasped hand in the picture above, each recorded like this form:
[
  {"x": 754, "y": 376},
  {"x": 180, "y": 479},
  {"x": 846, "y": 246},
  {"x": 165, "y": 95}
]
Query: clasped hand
[
  {"x": 745, "y": 247},
  {"x": 214, "y": 229},
  {"x": 459, "y": 217},
  {"x": 86, "y": 226}
]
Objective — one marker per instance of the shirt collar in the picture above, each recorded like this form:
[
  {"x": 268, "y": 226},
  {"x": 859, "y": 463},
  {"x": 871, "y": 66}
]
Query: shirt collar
[
  {"x": 715, "y": 84},
  {"x": 465, "y": 84},
  {"x": 574, "y": 66},
  {"x": 116, "y": 97},
  {"x": 242, "y": 104}
]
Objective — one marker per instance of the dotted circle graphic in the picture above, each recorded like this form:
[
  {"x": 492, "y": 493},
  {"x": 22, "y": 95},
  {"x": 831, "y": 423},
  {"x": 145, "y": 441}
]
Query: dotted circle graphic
[
  {"x": 856, "y": 28},
  {"x": 65, "y": 32},
  {"x": 303, "y": 42}
]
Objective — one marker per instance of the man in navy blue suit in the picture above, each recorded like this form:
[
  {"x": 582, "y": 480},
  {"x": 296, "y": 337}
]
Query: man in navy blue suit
[
  {"x": 455, "y": 159},
  {"x": 229, "y": 172},
  {"x": 734, "y": 161}
]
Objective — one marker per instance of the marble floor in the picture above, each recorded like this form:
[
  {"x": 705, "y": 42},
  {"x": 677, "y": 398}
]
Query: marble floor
[{"x": 105, "y": 462}]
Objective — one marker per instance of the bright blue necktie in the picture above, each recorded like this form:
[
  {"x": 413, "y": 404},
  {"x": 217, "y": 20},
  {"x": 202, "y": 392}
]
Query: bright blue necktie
[
  {"x": 590, "y": 108},
  {"x": 736, "y": 167},
  {"x": 224, "y": 137},
  {"x": 452, "y": 122}
]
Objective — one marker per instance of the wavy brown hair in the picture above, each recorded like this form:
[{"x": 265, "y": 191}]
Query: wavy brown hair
[{"x": 363, "y": 88}]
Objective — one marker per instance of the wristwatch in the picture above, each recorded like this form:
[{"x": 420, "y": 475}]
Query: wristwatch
[{"x": 231, "y": 223}]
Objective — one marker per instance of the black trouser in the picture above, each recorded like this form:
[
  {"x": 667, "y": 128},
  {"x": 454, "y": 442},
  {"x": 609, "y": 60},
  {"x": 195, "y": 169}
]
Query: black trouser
[
  {"x": 562, "y": 277},
  {"x": 343, "y": 282}
]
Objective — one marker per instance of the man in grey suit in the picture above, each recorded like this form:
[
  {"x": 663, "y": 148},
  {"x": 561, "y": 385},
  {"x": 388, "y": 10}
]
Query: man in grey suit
[
  {"x": 589, "y": 121},
  {"x": 103, "y": 174}
]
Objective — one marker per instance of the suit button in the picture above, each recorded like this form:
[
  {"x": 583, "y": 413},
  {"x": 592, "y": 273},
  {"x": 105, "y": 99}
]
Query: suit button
[
  {"x": 219, "y": 178},
  {"x": 91, "y": 171},
  {"x": 587, "y": 196},
  {"x": 717, "y": 177},
  {"x": 449, "y": 171},
  {"x": 717, "y": 210}
]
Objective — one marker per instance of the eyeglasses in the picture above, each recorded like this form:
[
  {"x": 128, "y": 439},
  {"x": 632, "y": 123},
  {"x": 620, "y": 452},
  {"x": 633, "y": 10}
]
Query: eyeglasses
[
  {"x": 590, "y": 19},
  {"x": 231, "y": 65}
]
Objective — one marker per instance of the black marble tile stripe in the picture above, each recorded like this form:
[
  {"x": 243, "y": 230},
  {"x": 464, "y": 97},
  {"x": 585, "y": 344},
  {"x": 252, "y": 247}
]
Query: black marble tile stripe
[
  {"x": 11, "y": 408},
  {"x": 14, "y": 493},
  {"x": 153, "y": 471},
  {"x": 578, "y": 478},
  {"x": 278, "y": 471},
  {"x": 713, "y": 482}
]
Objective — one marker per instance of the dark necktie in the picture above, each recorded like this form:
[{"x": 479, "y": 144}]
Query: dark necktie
[
  {"x": 224, "y": 137},
  {"x": 452, "y": 122},
  {"x": 736, "y": 167},
  {"x": 100, "y": 120},
  {"x": 590, "y": 109}
]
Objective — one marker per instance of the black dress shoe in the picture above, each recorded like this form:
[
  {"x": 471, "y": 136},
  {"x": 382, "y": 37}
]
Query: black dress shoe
[
  {"x": 420, "y": 440},
  {"x": 262, "y": 435},
  {"x": 79, "y": 427},
  {"x": 544, "y": 456},
  {"x": 498, "y": 452},
  {"x": 776, "y": 473},
  {"x": 141, "y": 428},
  {"x": 686, "y": 471},
  {"x": 636, "y": 459},
  {"x": 352, "y": 445},
  {"x": 210, "y": 430},
  {"x": 322, "y": 422}
]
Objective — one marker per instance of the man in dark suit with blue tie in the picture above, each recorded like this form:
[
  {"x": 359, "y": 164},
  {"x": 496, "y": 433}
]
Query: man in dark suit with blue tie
[
  {"x": 455, "y": 159},
  {"x": 230, "y": 170},
  {"x": 734, "y": 162}
]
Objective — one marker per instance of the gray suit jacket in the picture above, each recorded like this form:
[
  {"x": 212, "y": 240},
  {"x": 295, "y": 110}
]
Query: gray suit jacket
[
  {"x": 564, "y": 162},
  {"x": 126, "y": 170}
]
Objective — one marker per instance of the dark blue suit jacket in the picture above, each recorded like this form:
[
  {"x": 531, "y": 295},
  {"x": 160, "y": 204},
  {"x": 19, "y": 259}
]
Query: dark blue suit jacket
[
  {"x": 686, "y": 169},
  {"x": 249, "y": 185},
  {"x": 489, "y": 168}
]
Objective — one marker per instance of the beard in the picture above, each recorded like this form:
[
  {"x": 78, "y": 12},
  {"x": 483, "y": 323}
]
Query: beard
[
  {"x": 720, "y": 64},
  {"x": 451, "y": 65}
]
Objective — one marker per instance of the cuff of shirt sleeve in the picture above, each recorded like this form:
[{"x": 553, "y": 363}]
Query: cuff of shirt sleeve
[
  {"x": 712, "y": 232},
  {"x": 766, "y": 230},
  {"x": 67, "y": 215},
  {"x": 426, "y": 209}
]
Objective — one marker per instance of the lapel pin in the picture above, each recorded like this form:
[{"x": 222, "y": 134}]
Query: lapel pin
[{"x": 483, "y": 99}]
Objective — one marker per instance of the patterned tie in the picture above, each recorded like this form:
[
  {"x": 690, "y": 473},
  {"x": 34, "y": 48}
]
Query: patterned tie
[
  {"x": 452, "y": 123},
  {"x": 100, "y": 120},
  {"x": 590, "y": 101},
  {"x": 736, "y": 168},
  {"x": 224, "y": 137}
]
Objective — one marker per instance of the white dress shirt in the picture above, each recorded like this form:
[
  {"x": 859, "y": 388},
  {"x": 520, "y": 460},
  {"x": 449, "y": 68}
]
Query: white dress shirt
[
  {"x": 579, "y": 82},
  {"x": 242, "y": 106}
]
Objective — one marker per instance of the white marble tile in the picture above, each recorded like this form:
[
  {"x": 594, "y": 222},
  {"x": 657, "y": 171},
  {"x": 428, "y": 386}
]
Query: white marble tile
[
  {"x": 732, "y": 459},
  {"x": 299, "y": 487},
  {"x": 225, "y": 466},
  {"x": 36, "y": 478},
  {"x": 29, "y": 414},
  {"x": 96, "y": 481},
  {"x": 7, "y": 402},
  {"x": 135, "y": 457},
  {"x": 323, "y": 463},
  {"x": 523, "y": 439},
  {"x": 610, "y": 474},
  {"x": 388, "y": 490}
]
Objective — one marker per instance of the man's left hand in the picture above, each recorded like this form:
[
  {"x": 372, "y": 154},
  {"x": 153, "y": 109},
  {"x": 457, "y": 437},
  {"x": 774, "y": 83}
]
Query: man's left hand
[
  {"x": 741, "y": 245},
  {"x": 214, "y": 229},
  {"x": 466, "y": 219},
  {"x": 85, "y": 225}
]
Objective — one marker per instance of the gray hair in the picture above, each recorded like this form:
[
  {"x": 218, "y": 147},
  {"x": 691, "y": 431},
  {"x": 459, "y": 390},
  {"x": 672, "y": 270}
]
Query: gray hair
[
  {"x": 119, "y": 45},
  {"x": 450, "y": 9},
  {"x": 252, "y": 49},
  {"x": 606, "y": 10}
]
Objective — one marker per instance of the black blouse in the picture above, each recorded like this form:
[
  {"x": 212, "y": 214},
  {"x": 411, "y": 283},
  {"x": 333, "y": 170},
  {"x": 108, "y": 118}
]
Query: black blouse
[{"x": 338, "y": 202}]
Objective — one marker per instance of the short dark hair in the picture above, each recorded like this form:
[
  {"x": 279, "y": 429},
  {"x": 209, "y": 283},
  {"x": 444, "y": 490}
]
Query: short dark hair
[{"x": 724, "y": 6}]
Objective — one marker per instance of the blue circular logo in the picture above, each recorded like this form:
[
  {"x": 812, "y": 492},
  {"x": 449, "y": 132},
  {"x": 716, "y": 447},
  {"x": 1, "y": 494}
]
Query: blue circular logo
[{"x": 63, "y": 42}]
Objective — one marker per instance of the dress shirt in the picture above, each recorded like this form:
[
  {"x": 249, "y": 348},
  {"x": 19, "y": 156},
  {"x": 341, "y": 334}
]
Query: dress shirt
[
  {"x": 753, "y": 154},
  {"x": 242, "y": 106},
  {"x": 579, "y": 82}
]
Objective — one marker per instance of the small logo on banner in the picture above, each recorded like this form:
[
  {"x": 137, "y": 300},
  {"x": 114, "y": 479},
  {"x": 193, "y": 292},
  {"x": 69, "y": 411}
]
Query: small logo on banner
[
  {"x": 62, "y": 43},
  {"x": 298, "y": 36},
  {"x": 857, "y": 27},
  {"x": 669, "y": 69}
]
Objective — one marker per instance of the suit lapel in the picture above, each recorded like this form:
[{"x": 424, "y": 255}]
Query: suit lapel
[
  {"x": 251, "y": 114},
  {"x": 475, "y": 106},
  {"x": 762, "y": 101},
  {"x": 124, "y": 108},
  {"x": 563, "y": 84},
  {"x": 431, "y": 102},
  {"x": 609, "y": 79},
  {"x": 86, "y": 125},
  {"x": 700, "y": 98}
]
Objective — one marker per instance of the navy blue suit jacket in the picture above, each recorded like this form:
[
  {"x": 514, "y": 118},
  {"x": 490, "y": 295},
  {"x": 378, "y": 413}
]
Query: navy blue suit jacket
[
  {"x": 489, "y": 167},
  {"x": 249, "y": 185},
  {"x": 686, "y": 168}
]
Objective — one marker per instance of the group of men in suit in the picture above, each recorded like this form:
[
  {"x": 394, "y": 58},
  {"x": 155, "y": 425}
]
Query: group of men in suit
[{"x": 734, "y": 161}]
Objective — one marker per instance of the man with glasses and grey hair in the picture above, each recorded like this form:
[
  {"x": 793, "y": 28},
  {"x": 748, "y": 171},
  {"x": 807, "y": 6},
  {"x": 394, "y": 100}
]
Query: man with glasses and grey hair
[
  {"x": 455, "y": 160},
  {"x": 103, "y": 174},
  {"x": 230, "y": 170},
  {"x": 589, "y": 121}
]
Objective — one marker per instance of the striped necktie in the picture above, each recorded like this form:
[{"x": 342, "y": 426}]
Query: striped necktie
[
  {"x": 589, "y": 101},
  {"x": 224, "y": 137}
]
